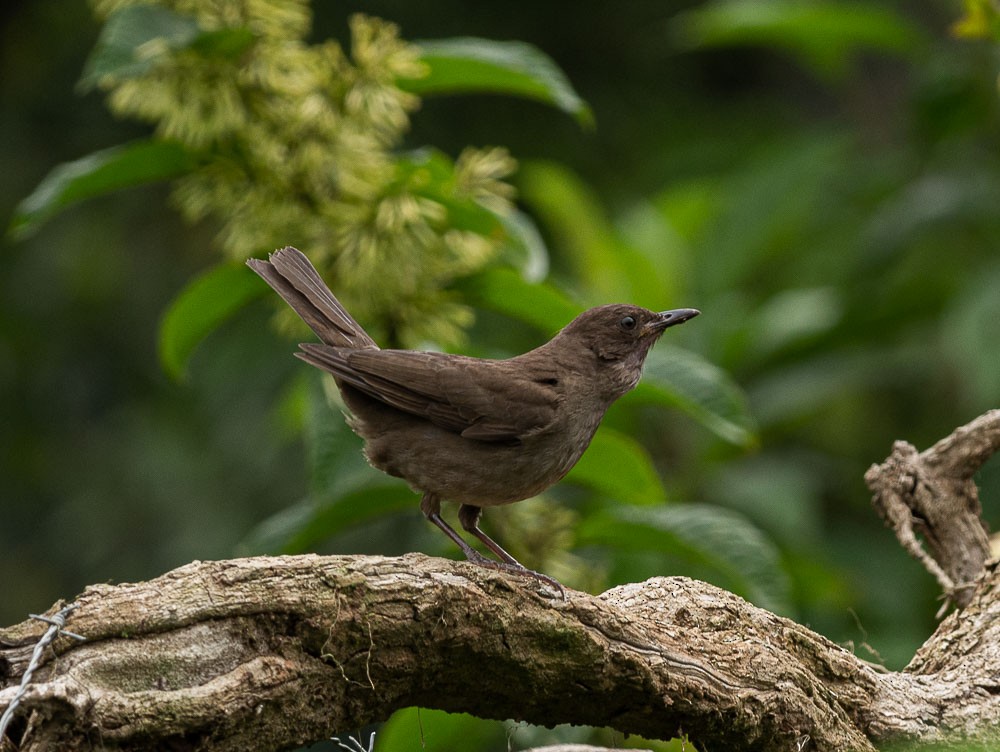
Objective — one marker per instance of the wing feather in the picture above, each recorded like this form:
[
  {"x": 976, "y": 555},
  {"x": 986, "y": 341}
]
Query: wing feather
[{"x": 469, "y": 396}]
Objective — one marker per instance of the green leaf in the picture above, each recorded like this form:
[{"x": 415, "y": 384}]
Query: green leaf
[
  {"x": 722, "y": 546},
  {"x": 823, "y": 34},
  {"x": 472, "y": 65},
  {"x": 337, "y": 465},
  {"x": 203, "y": 305},
  {"x": 793, "y": 316},
  {"x": 320, "y": 523},
  {"x": 224, "y": 43},
  {"x": 571, "y": 212},
  {"x": 981, "y": 20},
  {"x": 431, "y": 174},
  {"x": 767, "y": 200},
  {"x": 618, "y": 466},
  {"x": 271, "y": 535},
  {"x": 125, "y": 166},
  {"x": 680, "y": 378},
  {"x": 506, "y": 291},
  {"x": 437, "y": 731},
  {"x": 136, "y": 39},
  {"x": 525, "y": 248}
]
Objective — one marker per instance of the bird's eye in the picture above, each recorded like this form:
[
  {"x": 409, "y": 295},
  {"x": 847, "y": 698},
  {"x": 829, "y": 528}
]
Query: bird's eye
[{"x": 627, "y": 323}]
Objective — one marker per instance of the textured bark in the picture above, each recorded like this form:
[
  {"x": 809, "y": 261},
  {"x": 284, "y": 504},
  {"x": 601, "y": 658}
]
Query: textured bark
[
  {"x": 273, "y": 652},
  {"x": 265, "y": 653},
  {"x": 932, "y": 494}
]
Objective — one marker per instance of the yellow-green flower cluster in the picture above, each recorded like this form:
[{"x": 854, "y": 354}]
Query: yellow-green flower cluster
[{"x": 297, "y": 144}]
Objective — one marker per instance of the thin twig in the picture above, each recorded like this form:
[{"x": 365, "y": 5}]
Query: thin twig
[{"x": 56, "y": 624}]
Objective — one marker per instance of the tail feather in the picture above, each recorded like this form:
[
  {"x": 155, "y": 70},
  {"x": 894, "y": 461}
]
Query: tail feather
[{"x": 296, "y": 280}]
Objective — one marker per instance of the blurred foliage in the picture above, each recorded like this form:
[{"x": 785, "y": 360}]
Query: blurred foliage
[
  {"x": 824, "y": 36},
  {"x": 277, "y": 138},
  {"x": 820, "y": 178}
]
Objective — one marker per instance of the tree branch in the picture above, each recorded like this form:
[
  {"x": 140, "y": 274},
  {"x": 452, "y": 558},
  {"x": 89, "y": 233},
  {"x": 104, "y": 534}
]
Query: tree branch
[
  {"x": 273, "y": 652},
  {"x": 267, "y": 653},
  {"x": 932, "y": 494}
]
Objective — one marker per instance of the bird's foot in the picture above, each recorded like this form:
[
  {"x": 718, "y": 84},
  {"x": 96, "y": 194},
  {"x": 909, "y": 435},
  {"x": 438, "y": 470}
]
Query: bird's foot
[{"x": 518, "y": 569}]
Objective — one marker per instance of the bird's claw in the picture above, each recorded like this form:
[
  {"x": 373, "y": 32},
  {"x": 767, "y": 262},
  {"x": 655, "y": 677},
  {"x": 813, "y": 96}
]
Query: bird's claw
[{"x": 502, "y": 566}]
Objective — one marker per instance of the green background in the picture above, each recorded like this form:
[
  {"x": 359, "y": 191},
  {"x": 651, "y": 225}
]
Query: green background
[{"x": 824, "y": 185}]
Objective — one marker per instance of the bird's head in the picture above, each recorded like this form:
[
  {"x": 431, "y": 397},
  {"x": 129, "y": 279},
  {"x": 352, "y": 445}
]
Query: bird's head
[
  {"x": 621, "y": 336},
  {"x": 617, "y": 332}
]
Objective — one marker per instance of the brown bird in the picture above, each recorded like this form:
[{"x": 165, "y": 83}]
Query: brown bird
[{"x": 474, "y": 431}]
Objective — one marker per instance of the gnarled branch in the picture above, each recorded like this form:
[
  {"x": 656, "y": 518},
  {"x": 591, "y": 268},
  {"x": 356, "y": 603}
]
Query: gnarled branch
[
  {"x": 931, "y": 493},
  {"x": 266, "y": 653},
  {"x": 273, "y": 652}
]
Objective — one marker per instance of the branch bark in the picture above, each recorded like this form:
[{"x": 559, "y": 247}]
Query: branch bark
[
  {"x": 273, "y": 652},
  {"x": 932, "y": 493},
  {"x": 267, "y": 653}
]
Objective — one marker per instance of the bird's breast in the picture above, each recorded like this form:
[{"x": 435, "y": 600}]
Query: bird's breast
[{"x": 481, "y": 473}]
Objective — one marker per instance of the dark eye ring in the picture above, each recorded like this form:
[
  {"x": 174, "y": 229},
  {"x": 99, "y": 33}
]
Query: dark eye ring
[{"x": 627, "y": 323}]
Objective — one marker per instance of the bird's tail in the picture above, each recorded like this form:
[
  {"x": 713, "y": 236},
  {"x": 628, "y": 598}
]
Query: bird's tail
[{"x": 296, "y": 280}]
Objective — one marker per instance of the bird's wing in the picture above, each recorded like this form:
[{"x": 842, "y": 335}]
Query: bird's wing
[{"x": 469, "y": 396}]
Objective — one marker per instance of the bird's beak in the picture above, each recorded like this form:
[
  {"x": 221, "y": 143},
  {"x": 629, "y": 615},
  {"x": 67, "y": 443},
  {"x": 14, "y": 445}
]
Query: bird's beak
[{"x": 670, "y": 318}]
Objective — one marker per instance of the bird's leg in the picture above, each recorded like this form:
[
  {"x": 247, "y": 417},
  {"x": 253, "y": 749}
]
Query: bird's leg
[
  {"x": 469, "y": 516},
  {"x": 430, "y": 505},
  {"x": 470, "y": 553}
]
